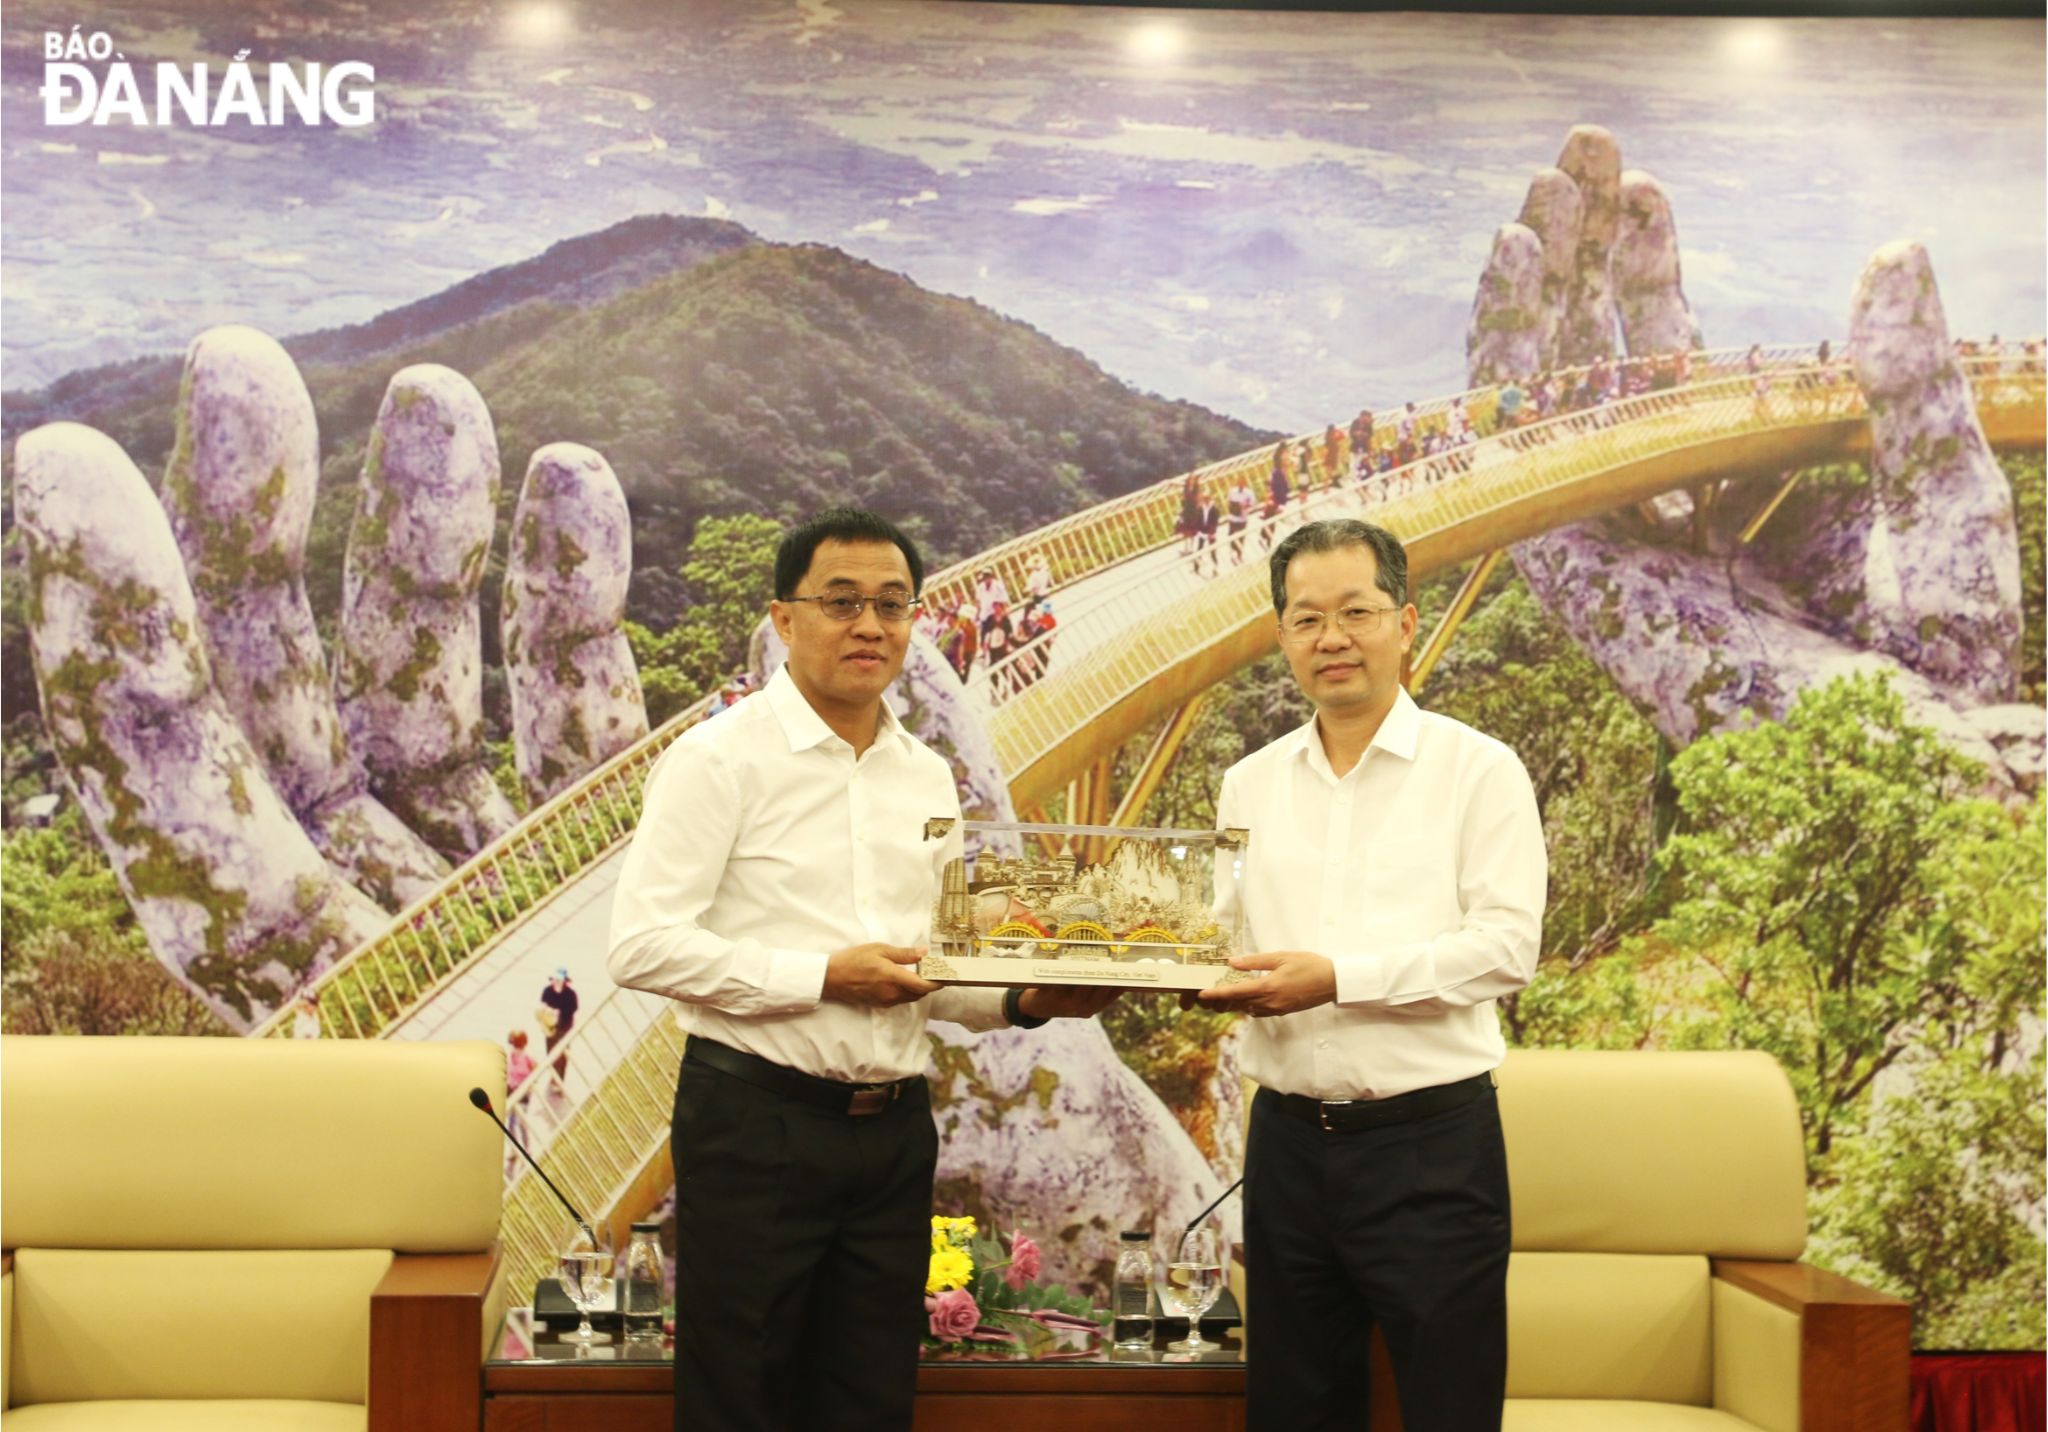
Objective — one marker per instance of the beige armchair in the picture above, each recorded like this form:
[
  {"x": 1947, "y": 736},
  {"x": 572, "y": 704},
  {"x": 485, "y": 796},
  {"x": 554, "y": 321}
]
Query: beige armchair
[
  {"x": 1659, "y": 1213},
  {"x": 228, "y": 1234}
]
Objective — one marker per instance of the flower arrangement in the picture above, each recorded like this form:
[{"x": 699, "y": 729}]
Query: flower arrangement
[{"x": 978, "y": 1292}]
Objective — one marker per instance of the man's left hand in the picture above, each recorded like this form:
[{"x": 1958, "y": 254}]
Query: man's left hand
[
  {"x": 1066, "y": 1001},
  {"x": 1295, "y": 980}
]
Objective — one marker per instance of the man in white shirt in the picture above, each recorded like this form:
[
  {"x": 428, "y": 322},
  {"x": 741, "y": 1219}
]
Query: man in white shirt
[
  {"x": 989, "y": 589},
  {"x": 1394, "y": 887},
  {"x": 780, "y": 886}
]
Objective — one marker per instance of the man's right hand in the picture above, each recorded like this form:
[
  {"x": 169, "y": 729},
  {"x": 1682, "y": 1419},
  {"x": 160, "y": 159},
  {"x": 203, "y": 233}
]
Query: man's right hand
[{"x": 880, "y": 975}]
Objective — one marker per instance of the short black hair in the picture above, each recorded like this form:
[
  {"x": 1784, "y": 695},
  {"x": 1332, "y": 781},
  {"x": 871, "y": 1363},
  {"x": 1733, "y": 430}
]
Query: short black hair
[
  {"x": 838, "y": 524},
  {"x": 1390, "y": 558}
]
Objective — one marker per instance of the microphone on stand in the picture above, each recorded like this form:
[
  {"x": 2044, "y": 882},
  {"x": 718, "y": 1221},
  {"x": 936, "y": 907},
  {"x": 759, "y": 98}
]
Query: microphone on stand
[
  {"x": 483, "y": 1101},
  {"x": 1196, "y": 1221}
]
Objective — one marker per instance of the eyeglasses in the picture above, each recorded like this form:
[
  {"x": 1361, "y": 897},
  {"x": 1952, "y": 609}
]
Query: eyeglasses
[
  {"x": 845, "y": 606},
  {"x": 1305, "y": 627}
]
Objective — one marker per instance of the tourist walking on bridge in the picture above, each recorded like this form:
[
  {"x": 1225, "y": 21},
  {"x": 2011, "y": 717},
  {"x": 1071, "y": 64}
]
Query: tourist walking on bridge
[
  {"x": 1361, "y": 437},
  {"x": 559, "y": 1000},
  {"x": 1276, "y": 503},
  {"x": 1240, "y": 514},
  {"x": 962, "y": 641},
  {"x": 1190, "y": 525},
  {"x": 1209, "y": 534},
  {"x": 1038, "y": 577},
  {"x": 990, "y": 592},
  {"x": 997, "y": 638}
]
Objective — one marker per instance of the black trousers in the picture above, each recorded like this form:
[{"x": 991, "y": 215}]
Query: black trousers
[
  {"x": 1404, "y": 1227},
  {"x": 802, "y": 1237}
]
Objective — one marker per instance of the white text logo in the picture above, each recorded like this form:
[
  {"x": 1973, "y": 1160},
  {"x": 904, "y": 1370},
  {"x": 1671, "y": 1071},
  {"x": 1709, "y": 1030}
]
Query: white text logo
[{"x": 167, "y": 93}]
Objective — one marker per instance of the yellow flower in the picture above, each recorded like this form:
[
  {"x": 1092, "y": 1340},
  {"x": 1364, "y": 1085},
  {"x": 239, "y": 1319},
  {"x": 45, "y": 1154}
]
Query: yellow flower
[{"x": 950, "y": 1268}]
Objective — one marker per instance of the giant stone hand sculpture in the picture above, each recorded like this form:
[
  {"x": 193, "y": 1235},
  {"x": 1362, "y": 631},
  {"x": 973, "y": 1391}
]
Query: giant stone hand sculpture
[
  {"x": 1942, "y": 578},
  {"x": 193, "y": 719},
  {"x": 1591, "y": 160},
  {"x": 1915, "y": 577},
  {"x": 575, "y": 692},
  {"x": 239, "y": 492},
  {"x": 227, "y": 887},
  {"x": 410, "y": 668}
]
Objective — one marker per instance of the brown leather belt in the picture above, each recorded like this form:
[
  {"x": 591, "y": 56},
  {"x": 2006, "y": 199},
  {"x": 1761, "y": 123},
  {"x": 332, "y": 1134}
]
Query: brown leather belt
[
  {"x": 1344, "y": 1116},
  {"x": 839, "y": 1098}
]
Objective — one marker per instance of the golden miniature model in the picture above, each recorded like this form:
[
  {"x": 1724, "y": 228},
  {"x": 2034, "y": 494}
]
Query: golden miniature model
[{"x": 1150, "y": 909}]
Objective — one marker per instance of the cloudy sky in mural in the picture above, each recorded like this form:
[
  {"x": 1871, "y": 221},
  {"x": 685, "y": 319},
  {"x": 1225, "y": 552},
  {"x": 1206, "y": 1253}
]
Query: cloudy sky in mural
[{"x": 1278, "y": 215}]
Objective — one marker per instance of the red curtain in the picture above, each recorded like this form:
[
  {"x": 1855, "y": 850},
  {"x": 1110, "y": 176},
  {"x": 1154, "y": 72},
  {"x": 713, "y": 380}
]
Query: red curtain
[{"x": 1980, "y": 1392}]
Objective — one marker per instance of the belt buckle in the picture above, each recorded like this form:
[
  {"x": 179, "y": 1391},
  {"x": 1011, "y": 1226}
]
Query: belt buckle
[
  {"x": 871, "y": 1100},
  {"x": 1323, "y": 1107}
]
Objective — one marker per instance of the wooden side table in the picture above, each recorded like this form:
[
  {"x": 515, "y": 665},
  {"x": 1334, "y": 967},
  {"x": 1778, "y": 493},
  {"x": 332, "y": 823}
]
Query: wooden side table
[{"x": 533, "y": 1383}]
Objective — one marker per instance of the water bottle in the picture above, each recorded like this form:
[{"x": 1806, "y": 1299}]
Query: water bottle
[
  {"x": 1133, "y": 1303},
  {"x": 645, "y": 1290}
]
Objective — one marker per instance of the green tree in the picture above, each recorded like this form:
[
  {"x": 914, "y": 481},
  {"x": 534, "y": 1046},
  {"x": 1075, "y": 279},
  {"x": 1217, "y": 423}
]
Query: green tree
[
  {"x": 1844, "y": 900},
  {"x": 1816, "y": 900},
  {"x": 1928, "y": 1203},
  {"x": 90, "y": 980},
  {"x": 57, "y": 878},
  {"x": 72, "y": 957},
  {"x": 731, "y": 572},
  {"x": 2030, "y": 506},
  {"x": 730, "y": 577},
  {"x": 663, "y": 688},
  {"x": 1516, "y": 674}
]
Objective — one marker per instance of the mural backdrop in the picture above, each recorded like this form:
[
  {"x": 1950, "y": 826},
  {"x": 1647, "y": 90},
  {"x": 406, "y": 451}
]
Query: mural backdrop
[{"x": 402, "y": 405}]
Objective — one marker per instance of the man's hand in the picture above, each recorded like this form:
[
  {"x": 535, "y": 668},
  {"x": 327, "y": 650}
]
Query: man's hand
[
  {"x": 1296, "y": 979},
  {"x": 875, "y": 975},
  {"x": 1066, "y": 1001}
]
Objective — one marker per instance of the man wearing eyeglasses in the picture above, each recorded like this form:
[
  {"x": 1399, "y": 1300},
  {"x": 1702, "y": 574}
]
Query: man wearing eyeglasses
[
  {"x": 1394, "y": 887},
  {"x": 780, "y": 887}
]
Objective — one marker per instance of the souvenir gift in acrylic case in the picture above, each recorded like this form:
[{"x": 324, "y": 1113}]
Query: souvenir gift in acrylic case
[{"x": 1088, "y": 905}]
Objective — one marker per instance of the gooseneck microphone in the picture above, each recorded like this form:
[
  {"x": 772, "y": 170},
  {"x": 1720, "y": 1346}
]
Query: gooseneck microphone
[
  {"x": 1196, "y": 1221},
  {"x": 483, "y": 1101}
]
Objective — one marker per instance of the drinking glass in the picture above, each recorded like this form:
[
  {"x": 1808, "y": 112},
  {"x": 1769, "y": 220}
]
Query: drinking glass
[
  {"x": 586, "y": 1270},
  {"x": 1194, "y": 1280}
]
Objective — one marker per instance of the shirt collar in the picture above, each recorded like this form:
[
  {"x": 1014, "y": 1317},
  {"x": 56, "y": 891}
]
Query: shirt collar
[
  {"x": 803, "y": 726},
  {"x": 1397, "y": 736}
]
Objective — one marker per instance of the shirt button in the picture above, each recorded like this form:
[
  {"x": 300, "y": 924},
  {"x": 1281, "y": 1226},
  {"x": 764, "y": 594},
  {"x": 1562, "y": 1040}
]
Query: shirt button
[{"x": 1322, "y": 1044}]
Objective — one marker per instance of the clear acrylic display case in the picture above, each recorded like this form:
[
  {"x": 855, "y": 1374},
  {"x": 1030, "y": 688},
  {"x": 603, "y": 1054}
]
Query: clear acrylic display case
[{"x": 1088, "y": 905}]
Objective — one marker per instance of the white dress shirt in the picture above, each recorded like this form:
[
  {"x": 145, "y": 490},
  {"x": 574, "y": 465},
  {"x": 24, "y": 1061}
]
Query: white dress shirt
[
  {"x": 763, "y": 846},
  {"x": 1420, "y": 872}
]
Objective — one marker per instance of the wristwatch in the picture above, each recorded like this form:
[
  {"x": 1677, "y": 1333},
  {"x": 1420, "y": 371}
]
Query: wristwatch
[{"x": 1013, "y": 1011}]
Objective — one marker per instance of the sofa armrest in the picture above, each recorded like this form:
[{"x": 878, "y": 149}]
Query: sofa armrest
[
  {"x": 1855, "y": 1344},
  {"x": 6, "y": 1325},
  {"x": 426, "y": 1342}
]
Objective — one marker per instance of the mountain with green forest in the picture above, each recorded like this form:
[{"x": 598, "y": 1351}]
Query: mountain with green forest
[
  {"x": 580, "y": 271},
  {"x": 721, "y": 376},
  {"x": 745, "y": 378}
]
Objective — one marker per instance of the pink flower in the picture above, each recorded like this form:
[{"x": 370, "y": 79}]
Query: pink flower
[
  {"x": 1025, "y": 1262},
  {"x": 954, "y": 1315}
]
